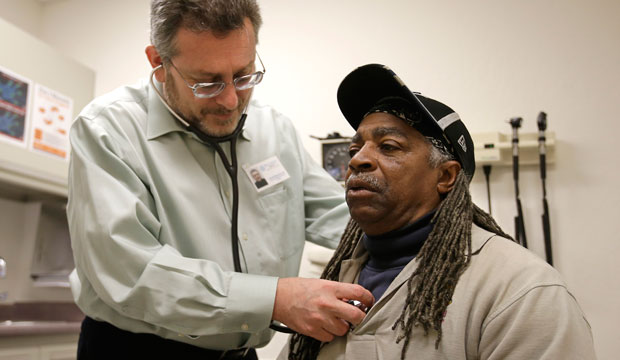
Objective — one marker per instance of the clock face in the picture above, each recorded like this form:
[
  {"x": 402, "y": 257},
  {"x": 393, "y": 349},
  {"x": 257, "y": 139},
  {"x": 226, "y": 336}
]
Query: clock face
[{"x": 336, "y": 158}]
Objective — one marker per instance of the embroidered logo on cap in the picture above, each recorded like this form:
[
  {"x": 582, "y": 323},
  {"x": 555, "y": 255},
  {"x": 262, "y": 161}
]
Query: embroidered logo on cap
[{"x": 462, "y": 142}]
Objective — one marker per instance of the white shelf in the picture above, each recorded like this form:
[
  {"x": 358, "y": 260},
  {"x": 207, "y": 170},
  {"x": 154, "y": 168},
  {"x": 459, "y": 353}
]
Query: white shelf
[{"x": 29, "y": 170}]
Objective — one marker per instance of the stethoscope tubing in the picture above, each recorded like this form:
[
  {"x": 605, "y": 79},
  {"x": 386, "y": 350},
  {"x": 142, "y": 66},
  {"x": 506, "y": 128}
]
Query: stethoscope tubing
[{"x": 231, "y": 165}]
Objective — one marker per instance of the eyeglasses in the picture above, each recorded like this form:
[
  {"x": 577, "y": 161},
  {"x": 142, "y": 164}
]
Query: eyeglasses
[{"x": 213, "y": 89}]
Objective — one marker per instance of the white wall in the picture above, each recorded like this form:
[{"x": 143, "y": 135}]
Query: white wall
[
  {"x": 109, "y": 36},
  {"x": 26, "y": 14},
  {"x": 489, "y": 60}
]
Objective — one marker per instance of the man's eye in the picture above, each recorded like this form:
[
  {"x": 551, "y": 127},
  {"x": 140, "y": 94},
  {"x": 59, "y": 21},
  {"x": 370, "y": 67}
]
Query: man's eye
[
  {"x": 353, "y": 151},
  {"x": 388, "y": 147}
]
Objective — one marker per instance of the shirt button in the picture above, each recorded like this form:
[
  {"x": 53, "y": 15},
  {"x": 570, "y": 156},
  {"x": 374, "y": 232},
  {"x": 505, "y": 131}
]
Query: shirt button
[
  {"x": 244, "y": 236},
  {"x": 227, "y": 194},
  {"x": 245, "y": 327}
]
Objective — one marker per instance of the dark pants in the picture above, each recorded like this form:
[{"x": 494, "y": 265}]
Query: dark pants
[{"x": 101, "y": 340}]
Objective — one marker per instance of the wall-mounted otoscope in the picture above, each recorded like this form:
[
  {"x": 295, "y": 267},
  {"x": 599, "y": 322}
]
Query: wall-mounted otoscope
[
  {"x": 515, "y": 123},
  {"x": 542, "y": 151}
]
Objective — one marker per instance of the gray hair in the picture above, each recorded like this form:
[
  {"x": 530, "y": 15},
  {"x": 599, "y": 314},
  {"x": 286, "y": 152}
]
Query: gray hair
[
  {"x": 217, "y": 16},
  {"x": 437, "y": 155}
]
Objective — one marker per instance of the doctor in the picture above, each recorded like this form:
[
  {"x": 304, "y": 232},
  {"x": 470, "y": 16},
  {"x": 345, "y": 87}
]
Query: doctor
[{"x": 177, "y": 252}]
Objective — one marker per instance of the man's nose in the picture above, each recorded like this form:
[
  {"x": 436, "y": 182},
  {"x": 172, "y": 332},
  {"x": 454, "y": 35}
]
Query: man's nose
[
  {"x": 363, "y": 160},
  {"x": 228, "y": 98}
]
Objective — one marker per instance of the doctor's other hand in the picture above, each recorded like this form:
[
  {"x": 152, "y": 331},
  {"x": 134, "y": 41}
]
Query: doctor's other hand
[{"x": 318, "y": 308}]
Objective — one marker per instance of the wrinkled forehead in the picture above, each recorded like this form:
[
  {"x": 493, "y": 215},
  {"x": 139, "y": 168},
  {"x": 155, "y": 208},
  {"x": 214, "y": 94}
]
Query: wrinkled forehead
[{"x": 380, "y": 124}]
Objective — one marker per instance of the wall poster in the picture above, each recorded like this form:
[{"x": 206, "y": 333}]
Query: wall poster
[
  {"x": 14, "y": 97},
  {"x": 51, "y": 118}
]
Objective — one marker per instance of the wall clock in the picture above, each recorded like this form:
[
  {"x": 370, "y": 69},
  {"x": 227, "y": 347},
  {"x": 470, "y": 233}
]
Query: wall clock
[{"x": 335, "y": 154}]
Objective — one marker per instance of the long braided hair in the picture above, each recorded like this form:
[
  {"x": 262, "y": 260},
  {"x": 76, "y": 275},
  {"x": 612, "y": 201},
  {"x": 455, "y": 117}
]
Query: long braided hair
[{"x": 442, "y": 259}]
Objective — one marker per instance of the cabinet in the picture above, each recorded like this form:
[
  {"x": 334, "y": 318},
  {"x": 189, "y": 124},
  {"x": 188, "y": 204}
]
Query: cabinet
[
  {"x": 58, "y": 352},
  {"x": 39, "y": 347},
  {"x": 49, "y": 352},
  {"x": 28, "y": 177},
  {"x": 25, "y": 353}
]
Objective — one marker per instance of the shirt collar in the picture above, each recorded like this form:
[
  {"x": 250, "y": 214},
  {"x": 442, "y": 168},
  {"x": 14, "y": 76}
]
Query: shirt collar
[{"x": 161, "y": 122}]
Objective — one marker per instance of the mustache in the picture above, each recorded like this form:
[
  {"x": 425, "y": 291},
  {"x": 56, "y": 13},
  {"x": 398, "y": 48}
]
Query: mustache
[
  {"x": 220, "y": 111},
  {"x": 366, "y": 181}
]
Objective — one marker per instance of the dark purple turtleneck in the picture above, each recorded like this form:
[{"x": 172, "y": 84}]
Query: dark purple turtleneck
[{"x": 391, "y": 252}]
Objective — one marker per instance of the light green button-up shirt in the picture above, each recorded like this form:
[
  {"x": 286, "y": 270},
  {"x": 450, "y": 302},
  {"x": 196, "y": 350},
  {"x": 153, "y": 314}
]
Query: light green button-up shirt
[{"x": 150, "y": 210}]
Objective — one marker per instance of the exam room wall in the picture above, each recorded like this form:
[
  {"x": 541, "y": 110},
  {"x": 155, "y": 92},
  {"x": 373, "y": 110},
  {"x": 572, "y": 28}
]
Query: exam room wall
[
  {"x": 489, "y": 60},
  {"x": 26, "y": 14}
]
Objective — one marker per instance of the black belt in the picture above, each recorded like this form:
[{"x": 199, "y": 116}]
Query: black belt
[
  {"x": 97, "y": 338},
  {"x": 235, "y": 354}
]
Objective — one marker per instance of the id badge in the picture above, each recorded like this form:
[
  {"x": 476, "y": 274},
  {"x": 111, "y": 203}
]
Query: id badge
[{"x": 266, "y": 173}]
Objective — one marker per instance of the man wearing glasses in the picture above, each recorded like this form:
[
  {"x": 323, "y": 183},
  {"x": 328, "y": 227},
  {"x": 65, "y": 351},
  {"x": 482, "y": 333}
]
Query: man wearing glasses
[{"x": 177, "y": 252}]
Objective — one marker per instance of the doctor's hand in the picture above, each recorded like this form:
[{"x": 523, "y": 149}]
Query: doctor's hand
[{"x": 318, "y": 308}]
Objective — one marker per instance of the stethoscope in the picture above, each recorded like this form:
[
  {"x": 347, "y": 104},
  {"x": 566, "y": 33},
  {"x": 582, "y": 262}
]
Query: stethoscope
[{"x": 230, "y": 165}]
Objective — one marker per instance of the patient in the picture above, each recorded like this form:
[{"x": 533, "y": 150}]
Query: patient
[{"x": 448, "y": 282}]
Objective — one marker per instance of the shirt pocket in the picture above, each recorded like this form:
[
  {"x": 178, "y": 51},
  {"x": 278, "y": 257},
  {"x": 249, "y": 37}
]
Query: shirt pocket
[
  {"x": 361, "y": 347},
  {"x": 280, "y": 221}
]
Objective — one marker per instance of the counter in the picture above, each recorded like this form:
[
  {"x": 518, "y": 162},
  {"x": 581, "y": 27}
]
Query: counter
[{"x": 40, "y": 318}]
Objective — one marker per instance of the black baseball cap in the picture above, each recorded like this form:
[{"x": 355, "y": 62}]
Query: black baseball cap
[{"x": 367, "y": 85}]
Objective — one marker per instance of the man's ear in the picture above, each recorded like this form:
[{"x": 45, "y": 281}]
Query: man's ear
[
  {"x": 153, "y": 55},
  {"x": 447, "y": 176}
]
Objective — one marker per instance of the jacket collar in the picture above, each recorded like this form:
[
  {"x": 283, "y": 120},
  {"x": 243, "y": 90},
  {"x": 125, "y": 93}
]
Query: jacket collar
[{"x": 349, "y": 270}]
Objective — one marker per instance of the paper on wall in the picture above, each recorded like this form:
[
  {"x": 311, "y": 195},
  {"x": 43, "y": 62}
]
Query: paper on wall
[
  {"x": 14, "y": 99},
  {"x": 51, "y": 118}
]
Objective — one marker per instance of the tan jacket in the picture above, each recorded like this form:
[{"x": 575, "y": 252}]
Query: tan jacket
[{"x": 508, "y": 304}]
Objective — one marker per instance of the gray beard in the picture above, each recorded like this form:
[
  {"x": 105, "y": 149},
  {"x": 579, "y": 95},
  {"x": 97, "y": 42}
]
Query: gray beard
[{"x": 173, "y": 101}]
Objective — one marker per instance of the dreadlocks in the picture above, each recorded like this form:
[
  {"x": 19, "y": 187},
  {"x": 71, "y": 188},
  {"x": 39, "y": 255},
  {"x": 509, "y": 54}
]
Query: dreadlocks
[{"x": 442, "y": 259}]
